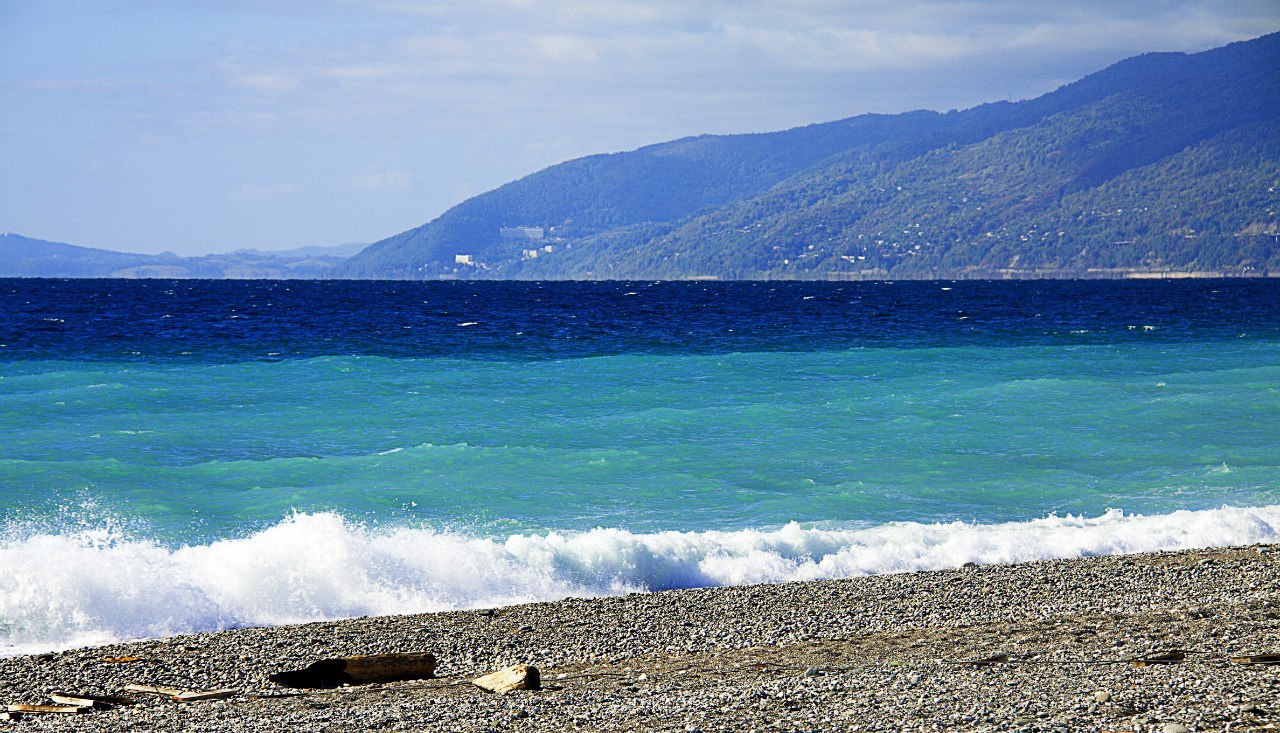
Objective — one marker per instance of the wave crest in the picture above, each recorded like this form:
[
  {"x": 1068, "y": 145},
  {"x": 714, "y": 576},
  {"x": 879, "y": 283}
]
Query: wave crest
[{"x": 95, "y": 586}]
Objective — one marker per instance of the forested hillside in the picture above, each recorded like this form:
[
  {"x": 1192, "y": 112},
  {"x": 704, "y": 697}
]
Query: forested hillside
[{"x": 1164, "y": 163}]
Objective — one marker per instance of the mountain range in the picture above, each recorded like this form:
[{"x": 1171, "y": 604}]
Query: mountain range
[
  {"x": 1165, "y": 163},
  {"x": 26, "y": 257}
]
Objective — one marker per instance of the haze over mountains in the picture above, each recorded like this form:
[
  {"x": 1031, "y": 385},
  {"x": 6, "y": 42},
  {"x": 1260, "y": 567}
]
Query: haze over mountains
[
  {"x": 1165, "y": 163},
  {"x": 25, "y": 257}
]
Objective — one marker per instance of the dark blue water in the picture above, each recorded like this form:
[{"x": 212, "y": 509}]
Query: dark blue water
[{"x": 235, "y": 320}]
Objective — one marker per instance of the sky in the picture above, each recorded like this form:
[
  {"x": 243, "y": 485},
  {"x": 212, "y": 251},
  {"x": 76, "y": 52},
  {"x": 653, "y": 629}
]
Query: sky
[{"x": 198, "y": 126}]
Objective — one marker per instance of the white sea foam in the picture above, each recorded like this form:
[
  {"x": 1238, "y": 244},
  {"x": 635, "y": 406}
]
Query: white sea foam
[{"x": 88, "y": 586}]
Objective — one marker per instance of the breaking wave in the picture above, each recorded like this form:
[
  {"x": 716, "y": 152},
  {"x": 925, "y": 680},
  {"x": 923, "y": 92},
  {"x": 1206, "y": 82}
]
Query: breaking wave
[{"x": 95, "y": 586}]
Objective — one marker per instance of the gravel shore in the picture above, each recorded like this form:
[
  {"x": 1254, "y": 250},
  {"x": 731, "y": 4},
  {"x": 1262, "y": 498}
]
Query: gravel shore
[{"x": 883, "y": 653}]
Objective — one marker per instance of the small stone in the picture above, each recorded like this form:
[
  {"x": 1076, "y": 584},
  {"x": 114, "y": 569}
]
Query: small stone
[
  {"x": 1248, "y": 707},
  {"x": 813, "y": 672},
  {"x": 1175, "y": 728},
  {"x": 1102, "y": 696}
]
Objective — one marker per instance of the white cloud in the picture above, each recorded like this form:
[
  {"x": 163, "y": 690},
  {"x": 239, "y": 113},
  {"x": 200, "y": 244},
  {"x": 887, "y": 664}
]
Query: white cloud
[
  {"x": 565, "y": 48},
  {"x": 438, "y": 67},
  {"x": 460, "y": 97}
]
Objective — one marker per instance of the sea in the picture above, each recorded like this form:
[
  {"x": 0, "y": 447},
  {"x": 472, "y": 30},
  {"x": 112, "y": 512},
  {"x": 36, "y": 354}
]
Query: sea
[{"x": 188, "y": 456}]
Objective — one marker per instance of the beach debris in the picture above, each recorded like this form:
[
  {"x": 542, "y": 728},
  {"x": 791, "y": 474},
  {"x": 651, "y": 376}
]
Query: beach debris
[
  {"x": 154, "y": 690},
  {"x": 181, "y": 695},
  {"x": 197, "y": 695},
  {"x": 101, "y": 702},
  {"x": 1000, "y": 658},
  {"x": 122, "y": 660},
  {"x": 1257, "y": 659},
  {"x": 49, "y": 709},
  {"x": 515, "y": 677},
  {"x": 360, "y": 670},
  {"x": 1172, "y": 657}
]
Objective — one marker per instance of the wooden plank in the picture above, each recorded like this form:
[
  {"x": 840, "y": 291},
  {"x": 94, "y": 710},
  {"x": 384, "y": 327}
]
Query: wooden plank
[
  {"x": 1172, "y": 657},
  {"x": 181, "y": 695},
  {"x": 155, "y": 690},
  {"x": 517, "y": 677},
  {"x": 121, "y": 660},
  {"x": 194, "y": 695},
  {"x": 92, "y": 701},
  {"x": 361, "y": 670},
  {"x": 985, "y": 661},
  {"x": 52, "y": 709},
  {"x": 1257, "y": 659}
]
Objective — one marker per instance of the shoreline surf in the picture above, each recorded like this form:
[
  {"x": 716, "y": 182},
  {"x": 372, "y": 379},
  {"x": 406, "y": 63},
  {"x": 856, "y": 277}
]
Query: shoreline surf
[
  {"x": 885, "y": 652},
  {"x": 112, "y": 587}
]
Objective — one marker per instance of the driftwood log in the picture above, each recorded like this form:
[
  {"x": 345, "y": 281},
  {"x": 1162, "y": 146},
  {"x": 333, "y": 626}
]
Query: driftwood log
[
  {"x": 518, "y": 677},
  {"x": 198, "y": 695},
  {"x": 47, "y": 709},
  {"x": 987, "y": 661},
  {"x": 89, "y": 701},
  {"x": 1173, "y": 657},
  {"x": 1257, "y": 659},
  {"x": 155, "y": 690},
  {"x": 363, "y": 670},
  {"x": 181, "y": 695}
]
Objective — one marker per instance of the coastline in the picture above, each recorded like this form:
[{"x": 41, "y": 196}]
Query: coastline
[{"x": 875, "y": 653}]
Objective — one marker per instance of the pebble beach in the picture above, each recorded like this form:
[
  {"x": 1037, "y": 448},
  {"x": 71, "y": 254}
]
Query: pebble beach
[{"x": 1042, "y": 646}]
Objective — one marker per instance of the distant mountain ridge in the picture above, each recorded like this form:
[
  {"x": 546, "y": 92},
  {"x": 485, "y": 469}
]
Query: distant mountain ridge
[
  {"x": 26, "y": 257},
  {"x": 1164, "y": 163},
  {"x": 346, "y": 249}
]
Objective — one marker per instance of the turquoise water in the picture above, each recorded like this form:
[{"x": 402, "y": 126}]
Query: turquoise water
[
  {"x": 649, "y": 443},
  {"x": 322, "y": 486}
]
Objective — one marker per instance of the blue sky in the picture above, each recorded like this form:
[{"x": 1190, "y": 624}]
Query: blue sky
[{"x": 198, "y": 126}]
